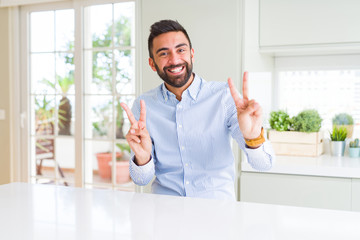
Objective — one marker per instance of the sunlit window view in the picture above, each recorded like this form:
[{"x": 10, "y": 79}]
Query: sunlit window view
[
  {"x": 108, "y": 78},
  {"x": 52, "y": 96},
  {"x": 330, "y": 92},
  {"x": 109, "y": 72}
]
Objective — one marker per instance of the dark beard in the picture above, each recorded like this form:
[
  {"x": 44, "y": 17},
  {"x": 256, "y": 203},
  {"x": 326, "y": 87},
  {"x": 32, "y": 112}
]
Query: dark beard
[{"x": 178, "y": 81}]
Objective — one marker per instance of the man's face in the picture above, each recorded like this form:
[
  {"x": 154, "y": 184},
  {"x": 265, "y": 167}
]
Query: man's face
[{"x": 172, "y": 58}]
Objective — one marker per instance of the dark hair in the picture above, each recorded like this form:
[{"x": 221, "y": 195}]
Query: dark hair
[{"x": 164, "y": 26}]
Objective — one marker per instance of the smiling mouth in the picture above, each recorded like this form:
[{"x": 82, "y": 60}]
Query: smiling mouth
[{"x": 176, "y": 70}]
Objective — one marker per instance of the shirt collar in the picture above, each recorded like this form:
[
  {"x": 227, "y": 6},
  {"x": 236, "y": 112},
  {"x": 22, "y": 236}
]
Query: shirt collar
[{"x": 193, "y": 89}]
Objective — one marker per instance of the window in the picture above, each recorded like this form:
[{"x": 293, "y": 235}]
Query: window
[
  {"x": 52, "y": 94},
  {"x": 109, "y": 70},
  {"x": 74, "y": 92},
  {"x": 329, "y": 84}
]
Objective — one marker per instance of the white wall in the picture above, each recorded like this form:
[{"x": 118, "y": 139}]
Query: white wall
[
  {"x": 259, "y": 66},
  {"x": 214, "y": 28}
]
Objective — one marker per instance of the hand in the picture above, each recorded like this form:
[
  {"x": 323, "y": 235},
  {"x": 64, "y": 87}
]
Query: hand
[
  {"x": 249, "y": 112},
  {"x": 138, "y": 137}
]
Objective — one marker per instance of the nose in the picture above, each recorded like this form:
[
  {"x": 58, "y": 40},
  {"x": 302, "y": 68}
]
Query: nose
[{"x": 174, "y": 59}]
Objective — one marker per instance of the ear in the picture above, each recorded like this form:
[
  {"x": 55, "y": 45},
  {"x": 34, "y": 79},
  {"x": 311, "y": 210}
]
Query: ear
[
  {"x": 192, "y": 54},
  {"x": 152, "y": 64}
]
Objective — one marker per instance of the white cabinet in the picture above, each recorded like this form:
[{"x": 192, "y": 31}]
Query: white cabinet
[
  {"x": 355, "y": 203},
  {"x": 286, "y": 23},
  {"x": 297, "y": 190}
]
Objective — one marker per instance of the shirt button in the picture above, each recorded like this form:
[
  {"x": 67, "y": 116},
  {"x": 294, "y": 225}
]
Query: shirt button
[
  {"x": 180, "y": 126},
  {"x": 180, "y": 106},
  {"x": 187, "y": 182},
  {"x": 186, "y": 164},
  {"x": 182, "y": 147}
]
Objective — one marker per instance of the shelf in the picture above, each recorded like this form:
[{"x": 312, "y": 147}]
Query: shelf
[{"x": 324, "y": 165}]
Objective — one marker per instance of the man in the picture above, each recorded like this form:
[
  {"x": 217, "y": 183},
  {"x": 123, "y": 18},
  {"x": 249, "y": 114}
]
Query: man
[{"x": 180, "y": 131}]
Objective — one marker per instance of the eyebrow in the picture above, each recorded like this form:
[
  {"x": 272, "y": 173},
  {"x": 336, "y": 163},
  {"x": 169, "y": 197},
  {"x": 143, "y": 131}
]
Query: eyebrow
[{"x": 177, "y": 46}]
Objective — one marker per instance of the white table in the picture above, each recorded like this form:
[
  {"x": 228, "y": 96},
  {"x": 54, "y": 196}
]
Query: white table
[{"x": 38, "y": 212}]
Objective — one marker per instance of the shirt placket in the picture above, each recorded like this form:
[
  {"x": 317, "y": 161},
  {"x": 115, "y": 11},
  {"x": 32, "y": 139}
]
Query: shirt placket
[{"x": 182, "y": 146}]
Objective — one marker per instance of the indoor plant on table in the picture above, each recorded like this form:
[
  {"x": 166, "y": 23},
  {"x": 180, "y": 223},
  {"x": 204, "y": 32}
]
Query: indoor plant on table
[
  {"x": 354, "y": 148},
  {"x": 297, "y": 136},
  {"x": 338, "y": 136},
  {"x": 345, "y": 120}
]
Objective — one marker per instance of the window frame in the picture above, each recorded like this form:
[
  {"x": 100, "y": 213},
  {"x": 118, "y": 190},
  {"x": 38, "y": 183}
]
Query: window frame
[{"x": 24, "y": 79}]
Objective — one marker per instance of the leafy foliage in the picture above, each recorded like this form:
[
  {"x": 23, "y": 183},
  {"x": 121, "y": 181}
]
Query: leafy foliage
[
  {"x": 343, "y": 119},
  {"x": 307, "y": 121},
  {"x": 124, "y": 147},
  {"x": 338, "y": 134},
  {"x": 102, "y": 72},
  {"x": 355, "y": 143},
  {"x": 280, "y": 120}
]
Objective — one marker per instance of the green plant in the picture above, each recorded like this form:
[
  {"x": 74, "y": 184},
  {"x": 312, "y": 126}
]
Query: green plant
[
  {"x": 64, "y": 83},
  {"x": 102, "y": 65},
  {"x": 354, "y": 144},
  {"x": 338, "y": 134},
  {"x": 343, "y": 119},
  {"x": 307, "y": 121},
  {"x": 124, "y": 147},
  {"x": 280, "y": 120}
]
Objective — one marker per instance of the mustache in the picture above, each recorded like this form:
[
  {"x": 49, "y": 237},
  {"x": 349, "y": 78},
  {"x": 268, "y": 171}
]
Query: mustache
[{"x": 175, "y": 66}]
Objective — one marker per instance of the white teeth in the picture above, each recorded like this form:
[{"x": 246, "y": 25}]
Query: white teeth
[{"x": 176, "y": 70}]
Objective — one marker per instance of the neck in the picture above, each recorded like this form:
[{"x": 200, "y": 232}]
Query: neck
[{"x": 178, "y": 91}]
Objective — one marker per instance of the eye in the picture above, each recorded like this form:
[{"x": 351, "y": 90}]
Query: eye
[
  {"x": 161, "y": 54},
  {"x": 181, "y": 50}
]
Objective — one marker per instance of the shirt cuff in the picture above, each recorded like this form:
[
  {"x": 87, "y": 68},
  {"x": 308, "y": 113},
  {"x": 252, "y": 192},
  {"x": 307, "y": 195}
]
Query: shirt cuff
[
  {"x": 261, "y": 158},
  {"x": 142, "y": 175}
]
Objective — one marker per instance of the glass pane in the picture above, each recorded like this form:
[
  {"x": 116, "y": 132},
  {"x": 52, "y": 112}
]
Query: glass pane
[
  {"x": 64, "y": 24},
  {"x": 101, "y": 68},
  {"x": 124, "y": 15},
  {"x": 44, "y": 157},
  {"x": 125, "y": 71},
  {"x": 65, "y": 73},
  {"x": 99, "y": 117},
  {"x": 122, "y": 173},
  {"x": 42, "y": 73},
  {"x": 122, "y": 121},
  {"x": 65, "y": 157},
  {"x": 66, "y": 111},
  {"x": 318, "y": 86},
  {"x": 99, "y": 25},
  {"x": 42, "y": 31},
  {"x": 97, "y": 162},
  {"x": 44, "y": 115}
]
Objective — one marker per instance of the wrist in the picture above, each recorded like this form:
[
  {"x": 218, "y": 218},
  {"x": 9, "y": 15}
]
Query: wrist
[
  {"x": 142, "y": 161},
  {"x": 256, "y": 142}
]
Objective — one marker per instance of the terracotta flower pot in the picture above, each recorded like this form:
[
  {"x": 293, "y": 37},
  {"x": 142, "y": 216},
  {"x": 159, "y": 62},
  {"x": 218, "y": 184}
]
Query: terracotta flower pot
[
  {"x": 122, "y": 171},
  {"x": 103, "y": 163}
]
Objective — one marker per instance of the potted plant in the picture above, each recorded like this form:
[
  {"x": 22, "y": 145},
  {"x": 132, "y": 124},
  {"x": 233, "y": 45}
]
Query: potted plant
[
  {"x": 338, "y": 136},
  {"x": 297, "y": 136},
  {"x": 307, "y": 121},
  {"x": 345, "y": 120},
  {"x": 354, "y": 148},
  {"x": 280, "y": 120},
  {"x": 122, "y": 163}
]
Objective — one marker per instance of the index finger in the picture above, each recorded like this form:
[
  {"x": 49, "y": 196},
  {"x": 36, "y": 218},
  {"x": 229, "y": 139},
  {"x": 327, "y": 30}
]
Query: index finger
[
  {"x": 129, "y": 113},
  {"x": 233, "y": 91},
  {"x": 142, "y": 111},
  {"x": 245, "y": 86}
]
